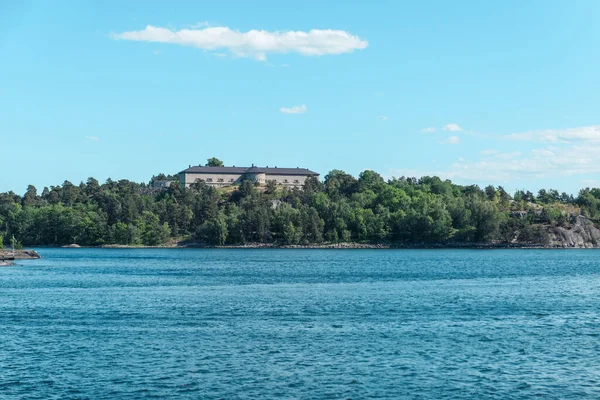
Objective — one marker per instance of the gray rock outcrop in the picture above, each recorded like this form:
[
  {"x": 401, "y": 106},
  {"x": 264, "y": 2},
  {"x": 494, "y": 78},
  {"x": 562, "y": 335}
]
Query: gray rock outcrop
[{"x": 581, "y": 233}]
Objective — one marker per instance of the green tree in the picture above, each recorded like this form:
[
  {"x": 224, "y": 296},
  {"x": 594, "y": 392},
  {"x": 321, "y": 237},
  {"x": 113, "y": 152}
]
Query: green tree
[
  {"x": 271, "y": 187},
  {"x": 369, "y": 180},
  {"x": 338, "y": 183},
  {"x": 153, "y": 232},
  {"x": 214, "y": 162},
  {"x": 291, "y": 234},
  {"x": 342, "y": 208},
  {"x": 214, "y": 231},
  {"x": 491, "y": 193},
  {"x": 127, "y": 234},
  {"x": 312, "y": 225},
  {"x": 485, "y": 218},
  {"x": 30, "y": 198},
  {"x": 533, "y": 235}
]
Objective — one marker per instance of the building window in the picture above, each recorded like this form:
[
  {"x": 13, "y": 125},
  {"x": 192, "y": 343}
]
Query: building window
[
  {"x": 208, "y": 179},
  {"x": 231, "y": 180},
  {"x": 285, "y": 181},
  {"x": 220, "y": 180},
  {"x": 296, "y": 181}
]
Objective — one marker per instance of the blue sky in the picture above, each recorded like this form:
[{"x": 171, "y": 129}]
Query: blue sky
[{"x": 505, "y": 92}]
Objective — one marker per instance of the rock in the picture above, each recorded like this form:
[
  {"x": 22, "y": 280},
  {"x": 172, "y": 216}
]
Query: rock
[
  {"x": 71, "y": 246},
  {"x": 518, "y": 214},
  {"x": 18, "y": 254},
  {"x": 581, "y": 233}
]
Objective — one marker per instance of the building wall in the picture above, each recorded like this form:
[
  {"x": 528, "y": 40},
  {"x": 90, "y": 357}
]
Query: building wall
[
  {"x": 211, "y": 179},
  {"x": 287, "y": 180},
  {"x": 259, "y": 178},
  {"x": 161, "y": 184},
  {"x": 230, "y": 179}
]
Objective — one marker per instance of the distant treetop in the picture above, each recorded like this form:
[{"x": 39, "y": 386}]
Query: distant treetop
[{"x": 214, "y": 162}]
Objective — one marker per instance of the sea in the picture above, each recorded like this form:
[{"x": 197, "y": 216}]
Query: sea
[{"x": 301, "y": 324}]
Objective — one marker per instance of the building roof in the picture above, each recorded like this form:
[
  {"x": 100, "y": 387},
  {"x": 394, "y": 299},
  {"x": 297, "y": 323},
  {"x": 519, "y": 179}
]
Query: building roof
[{"x": 253, "y": 169}]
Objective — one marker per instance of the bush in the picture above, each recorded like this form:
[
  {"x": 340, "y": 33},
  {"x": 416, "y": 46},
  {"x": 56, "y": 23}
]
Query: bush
[
  {"x": 533, "y": 234},
  {"x": 213, "y": 232},
  {"x": 551, "y": 215}
]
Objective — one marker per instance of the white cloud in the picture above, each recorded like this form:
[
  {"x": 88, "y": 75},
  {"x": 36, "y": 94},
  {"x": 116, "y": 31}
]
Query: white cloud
[
  {"x": 428, "y": 130},
  {"x": 573, "y": 152},
  {"x": 539, "y": 163},
  {"x": 94, "y": 138},
  {"x": 591, "y": 182},
  {"x": 383, "y": 117},
  {"x": 569, "y": 135},
  {"x": 508, "y": 156},
  {"x": 408, "y": 172},
  {"x": 452, "y": 128},
  {"x": 547, "y": 152},
  {"x": 489, "y": 152},
  {"x": 254, "y": 43},
  {"x": 293, "y": 110},
  {"x": 451, "y": 140},
  {"x": 494, "y": 153},
  {"x": 201, "y": 24}
]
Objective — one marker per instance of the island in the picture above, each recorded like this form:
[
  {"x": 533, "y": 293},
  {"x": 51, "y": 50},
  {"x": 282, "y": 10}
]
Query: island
[{"x": 245, "y": 207}]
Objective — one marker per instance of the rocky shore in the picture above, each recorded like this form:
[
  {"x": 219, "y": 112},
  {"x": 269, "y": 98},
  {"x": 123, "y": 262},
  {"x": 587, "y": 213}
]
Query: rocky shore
[
  {"x": 8, "y": 256},
  {"x": 581, "y": 233},
  {"x": 18, "y": 255},
  {"x": 351, "y": 245}
]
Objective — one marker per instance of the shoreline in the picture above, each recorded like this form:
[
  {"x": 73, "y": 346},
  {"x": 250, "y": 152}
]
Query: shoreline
[
  {"x": 7, "y": 257},
  {"x": 333, "y": 246},
  {"x": 10, "y": 255}
]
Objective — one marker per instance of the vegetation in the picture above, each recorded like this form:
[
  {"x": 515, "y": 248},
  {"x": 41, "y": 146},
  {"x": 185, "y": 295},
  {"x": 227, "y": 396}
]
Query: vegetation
[
  {"x": 214, "y": 162},
  {"x": 342, "y": 208}
]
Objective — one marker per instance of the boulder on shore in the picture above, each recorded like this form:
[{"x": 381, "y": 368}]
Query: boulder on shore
[
  {"x": 19, "y": 254},
  {"x": 581, "y": 233}
]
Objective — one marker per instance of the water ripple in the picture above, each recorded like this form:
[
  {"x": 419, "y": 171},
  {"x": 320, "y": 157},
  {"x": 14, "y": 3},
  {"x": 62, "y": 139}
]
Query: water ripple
[{"x": 300, "y": 324}]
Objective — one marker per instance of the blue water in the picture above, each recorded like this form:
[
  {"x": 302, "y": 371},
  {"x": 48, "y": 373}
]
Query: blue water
[{"x": 301, "y": 324}]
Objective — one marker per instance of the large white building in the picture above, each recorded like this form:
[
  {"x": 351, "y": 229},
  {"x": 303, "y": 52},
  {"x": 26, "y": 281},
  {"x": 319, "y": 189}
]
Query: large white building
[{"x": 225, "y": 176}]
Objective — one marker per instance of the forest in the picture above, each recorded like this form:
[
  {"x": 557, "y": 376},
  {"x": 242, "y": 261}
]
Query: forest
[{"x": 340, "y": 208}]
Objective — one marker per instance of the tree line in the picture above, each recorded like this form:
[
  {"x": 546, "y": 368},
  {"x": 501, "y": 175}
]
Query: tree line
[{"x": 341, "y": 208}]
